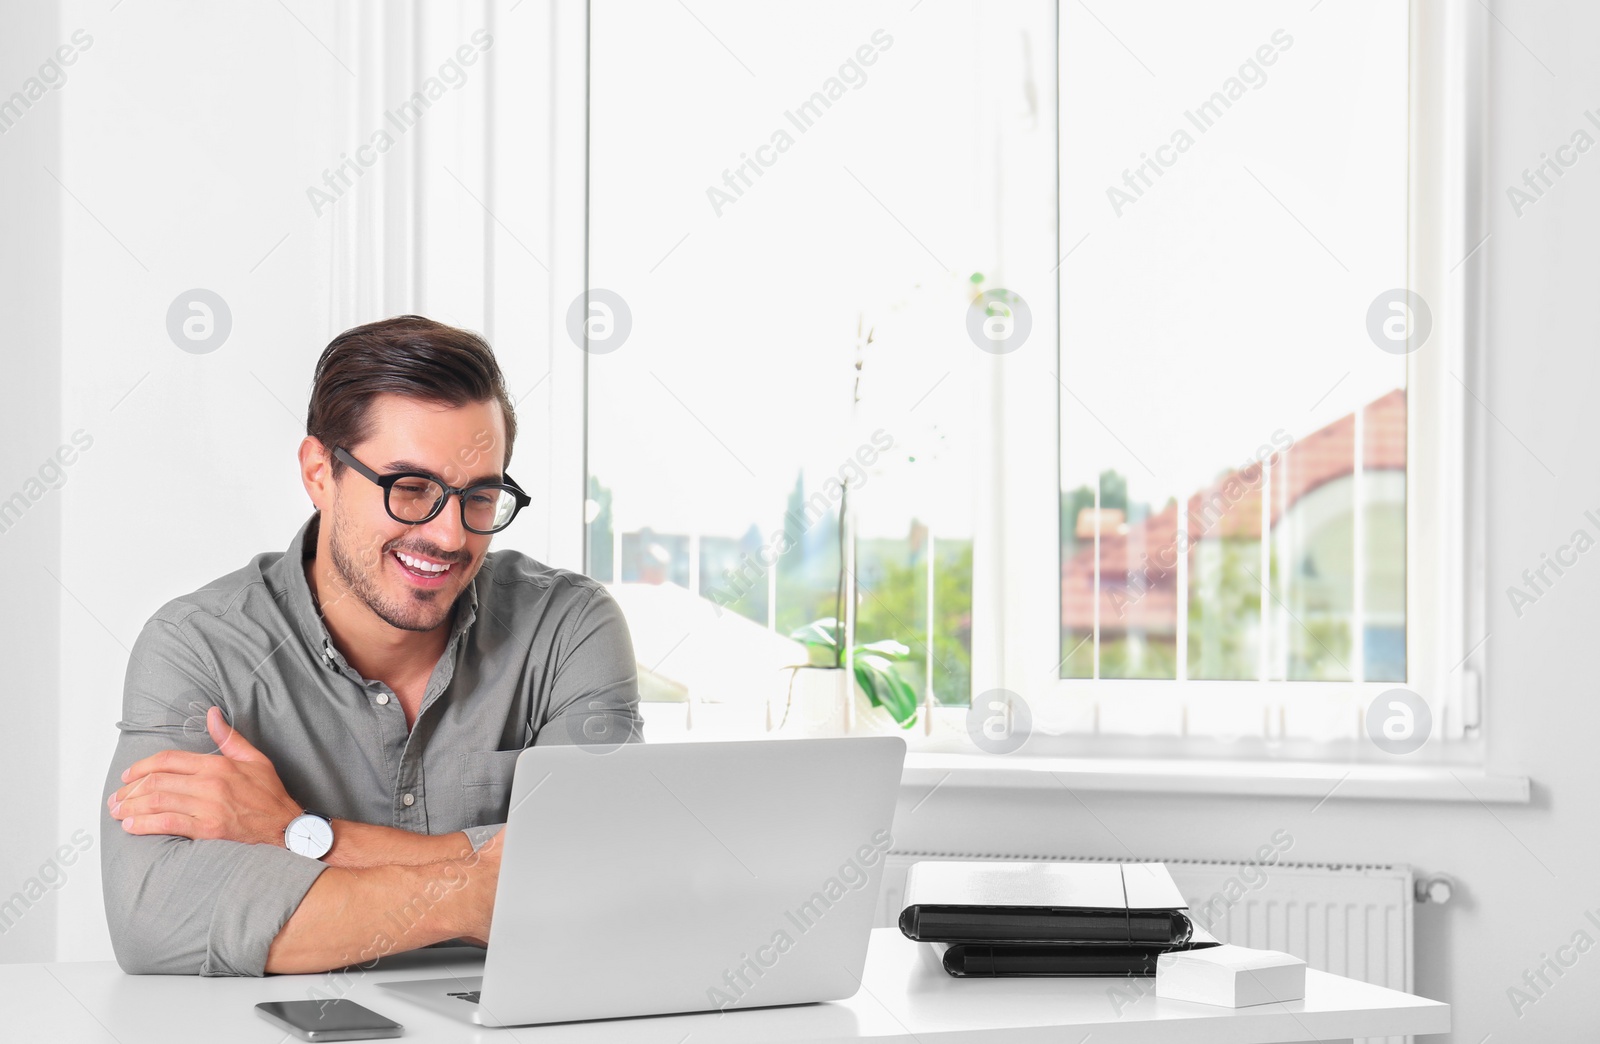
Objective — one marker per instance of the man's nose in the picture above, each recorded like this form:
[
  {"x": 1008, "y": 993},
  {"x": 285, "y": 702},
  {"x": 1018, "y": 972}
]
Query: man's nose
[{"x": 445, "y": 528}]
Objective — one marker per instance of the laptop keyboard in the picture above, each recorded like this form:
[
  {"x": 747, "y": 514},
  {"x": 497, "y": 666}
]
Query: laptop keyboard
[{"x": 470, "y": 996}]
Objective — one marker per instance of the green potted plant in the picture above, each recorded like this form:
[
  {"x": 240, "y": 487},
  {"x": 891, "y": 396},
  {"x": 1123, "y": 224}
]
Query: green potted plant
[{"x": 814, "y": 701}]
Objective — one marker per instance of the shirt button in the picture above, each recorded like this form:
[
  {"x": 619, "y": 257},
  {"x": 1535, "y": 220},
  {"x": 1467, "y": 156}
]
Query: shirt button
[
  {"x": 408, "y": 800},
  {"x": 383, "y": 698}
]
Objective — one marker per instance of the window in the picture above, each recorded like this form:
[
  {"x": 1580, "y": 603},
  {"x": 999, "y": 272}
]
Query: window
[
  {"x": 1194, "y": 487},
  {"x": 1221, "y": 402},
  {"x": 795, "y": 252}
]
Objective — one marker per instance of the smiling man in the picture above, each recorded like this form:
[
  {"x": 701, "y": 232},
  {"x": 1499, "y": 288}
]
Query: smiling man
[{"x": 316, "y": 751}]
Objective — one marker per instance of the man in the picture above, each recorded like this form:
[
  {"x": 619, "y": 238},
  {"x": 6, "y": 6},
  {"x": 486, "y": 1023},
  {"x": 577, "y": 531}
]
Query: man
[{"x": 382, "y": 675}]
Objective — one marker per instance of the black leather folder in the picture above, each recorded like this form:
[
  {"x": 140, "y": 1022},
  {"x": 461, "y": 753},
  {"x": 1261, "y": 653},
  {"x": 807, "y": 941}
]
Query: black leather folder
[
  {"x": 1085, "y": 904},
  {"x": 991, "y": 960}
]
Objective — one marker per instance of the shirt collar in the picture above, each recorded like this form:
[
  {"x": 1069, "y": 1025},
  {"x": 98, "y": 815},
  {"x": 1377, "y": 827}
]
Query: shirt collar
[{"x": 289, "y": 575}]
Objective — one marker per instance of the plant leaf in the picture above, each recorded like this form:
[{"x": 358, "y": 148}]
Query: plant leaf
[
  {"x": 907, "y": 698},
  {"x": 869, "y": 680},
  {"x": 821, "y": 632},
  {"x": 885, "y": 647},
  {"x": 885, "y": 688}
]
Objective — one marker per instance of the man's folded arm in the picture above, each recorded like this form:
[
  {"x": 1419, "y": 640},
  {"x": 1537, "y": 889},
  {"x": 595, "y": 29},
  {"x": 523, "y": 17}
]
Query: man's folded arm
[
  {"x": 231, "y": 907},
  {"x": 176, "y": 905},
  {"x": 356, "y": 916}
]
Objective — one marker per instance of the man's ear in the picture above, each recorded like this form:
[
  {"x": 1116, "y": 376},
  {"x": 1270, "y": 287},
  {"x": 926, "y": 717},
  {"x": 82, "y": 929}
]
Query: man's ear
[{"x": 316, "y": 472}]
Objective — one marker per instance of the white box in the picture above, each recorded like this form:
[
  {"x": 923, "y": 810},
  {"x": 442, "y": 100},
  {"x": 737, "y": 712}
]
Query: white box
[{"x": 1230, "y": 976}]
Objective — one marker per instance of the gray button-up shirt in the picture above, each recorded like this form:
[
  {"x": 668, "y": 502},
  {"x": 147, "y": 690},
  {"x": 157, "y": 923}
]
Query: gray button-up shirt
[{"x": 536, "y": 655}]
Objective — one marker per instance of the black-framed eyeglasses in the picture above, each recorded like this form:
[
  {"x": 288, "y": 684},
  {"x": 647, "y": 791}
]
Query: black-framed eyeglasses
[{"x": 415, "y": 497}]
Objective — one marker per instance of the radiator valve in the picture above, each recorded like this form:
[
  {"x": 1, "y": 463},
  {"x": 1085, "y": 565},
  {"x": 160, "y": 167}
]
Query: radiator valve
[{"x": 1436, "y": 889}]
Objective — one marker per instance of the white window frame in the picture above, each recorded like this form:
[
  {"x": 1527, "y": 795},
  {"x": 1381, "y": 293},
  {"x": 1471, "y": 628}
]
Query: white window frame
[{"x": 1445, "y": 652}]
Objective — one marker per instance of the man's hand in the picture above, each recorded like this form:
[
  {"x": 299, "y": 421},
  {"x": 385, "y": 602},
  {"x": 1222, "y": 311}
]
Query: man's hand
[{"x": 232, "y": 796}]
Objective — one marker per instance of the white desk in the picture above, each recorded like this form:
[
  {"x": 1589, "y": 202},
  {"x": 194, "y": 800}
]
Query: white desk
[{"x": 905, "y": 998}]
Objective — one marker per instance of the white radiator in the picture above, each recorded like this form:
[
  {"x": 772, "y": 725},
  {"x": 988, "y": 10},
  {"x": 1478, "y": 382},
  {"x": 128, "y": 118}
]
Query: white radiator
[{"x": 1354, "y": 921}]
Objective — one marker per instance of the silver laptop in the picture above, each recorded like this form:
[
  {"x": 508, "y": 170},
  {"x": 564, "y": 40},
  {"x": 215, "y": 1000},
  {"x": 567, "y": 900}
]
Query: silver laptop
[{"x": 676, "y": 877}]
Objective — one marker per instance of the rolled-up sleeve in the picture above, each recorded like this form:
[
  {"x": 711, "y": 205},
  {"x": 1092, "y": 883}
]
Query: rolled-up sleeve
[
  {"x": 175, "y": 905},
  {"x": 594, "y": 699}
]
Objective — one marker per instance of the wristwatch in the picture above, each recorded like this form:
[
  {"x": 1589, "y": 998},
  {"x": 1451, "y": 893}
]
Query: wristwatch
[{"x": 309, "y": 834}]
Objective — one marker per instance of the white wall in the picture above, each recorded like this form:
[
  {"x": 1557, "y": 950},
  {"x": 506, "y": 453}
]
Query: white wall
[
  {"x": 30, "y": 547},
  {"x": 188, "y": 173}
]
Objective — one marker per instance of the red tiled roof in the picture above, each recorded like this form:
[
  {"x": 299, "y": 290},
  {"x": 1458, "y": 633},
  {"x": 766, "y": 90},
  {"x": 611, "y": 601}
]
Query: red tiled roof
[{"x": 1229, "y": 507}]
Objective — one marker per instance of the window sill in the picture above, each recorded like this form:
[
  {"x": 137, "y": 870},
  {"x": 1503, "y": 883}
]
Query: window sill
[
  {"x": 1176, "y": 770},
  {"x": 1318, "y": 781}
]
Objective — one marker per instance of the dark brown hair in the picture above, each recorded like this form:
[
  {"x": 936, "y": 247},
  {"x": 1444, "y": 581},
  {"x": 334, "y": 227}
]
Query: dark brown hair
[{"x": 406, "y": 355}]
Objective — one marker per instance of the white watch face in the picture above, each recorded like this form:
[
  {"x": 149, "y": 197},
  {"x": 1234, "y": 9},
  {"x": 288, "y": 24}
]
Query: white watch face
[{"x": 309, "y": 835}]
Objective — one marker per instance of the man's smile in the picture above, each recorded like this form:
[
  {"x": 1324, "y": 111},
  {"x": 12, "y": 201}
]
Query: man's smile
[{"x": 430, "y": 573}]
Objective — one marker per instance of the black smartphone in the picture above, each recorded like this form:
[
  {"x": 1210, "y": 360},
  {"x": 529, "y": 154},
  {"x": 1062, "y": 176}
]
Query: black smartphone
[{"x": 328, "y": 1020}]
